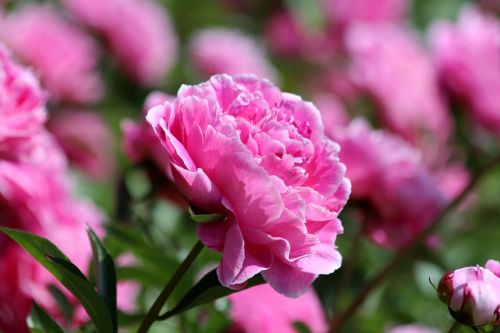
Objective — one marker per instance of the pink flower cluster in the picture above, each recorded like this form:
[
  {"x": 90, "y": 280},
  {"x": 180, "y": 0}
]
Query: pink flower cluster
[
  {"x": 138, "y": 32},
  {"x": 467, "y": 56},
  {"x": 261, "y": 309},
  {"x": 240, "y": 147},
  {"x": 389, "y": 64},
  {"x": 64, "y": 56},
  {"x": 220, "y": 51},
  {"x": 473, "y": 294},
  {"x": 35, "y": 196},
  {"x": 389, "y": 176}
]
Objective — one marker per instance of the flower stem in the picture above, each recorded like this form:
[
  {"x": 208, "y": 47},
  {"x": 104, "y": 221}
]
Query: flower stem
[
  {"x": 455, "y": 327},
  {"x": 337, "y": 323},
  {"x": 153, "y": 312}
]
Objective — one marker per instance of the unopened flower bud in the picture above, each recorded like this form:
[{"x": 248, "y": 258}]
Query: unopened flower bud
[{"x": 472, "y": 294}]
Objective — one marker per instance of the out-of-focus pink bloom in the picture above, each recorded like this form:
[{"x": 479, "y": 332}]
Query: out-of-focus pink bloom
[
  {"x": 39, "y": 201},
  {"x": 22, "y": 102},
  {"x": 86, "y": 141},
  {"x": 140, "y": 142},
  {"x": 240, "y": 147},
  {"x": 473, "y": 294},
  {"x": 345, "y": 12},
  {"x": 452, "y": 180},
  {"x": 127, "y": 291},
  {"x": 284, "y": 35},
  {"x": 332, "y": 111},
  {"x": 402, "y": 196},
  {"x": 413, "y": 328},
  {"x": 65, "y": 56},
  {"x": 468, "y": 58},
  {"x": 261, "y": 309},
  {"x": 222, "y": 51},
  {"x": 390, "y": 65},
  {"x": 138, "y": 32},
  {"x": 288, "y": 36}
]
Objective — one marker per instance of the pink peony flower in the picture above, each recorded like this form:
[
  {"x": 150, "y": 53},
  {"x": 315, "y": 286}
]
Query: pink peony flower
[
  {"x": 89, "y": 150},
  {"x": 64, "y": 55},
  {"x": 473, "y": 294},
  {"x": 413, "y": 328},
  {"x": 401, "y": 194},
  {"x": 218, "y": 51},
  {"x": 22, "y": 108},
  {"x": 389, "y": 63},
  {"x": 241, "y": 147},
  {"x": 345, "y": 12},
  {"x": 261, "y": 309},
  {"x": 467, "y": 55},
  {"x": 138, "y": 32}
]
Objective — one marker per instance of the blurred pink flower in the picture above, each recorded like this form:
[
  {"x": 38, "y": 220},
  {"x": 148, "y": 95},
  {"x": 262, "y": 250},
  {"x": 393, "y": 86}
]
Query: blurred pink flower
[
  {"x": 401, "y": 194},
  {"x": 345, "y": 12},
  {"x": 389, "y": 63},
  {"x": 90, "y": 149},
  {"x": 467, "y": 55},
  {"x": 138, "y": 32},
  {"x": 140, "y": 142},
  {"x": 65, "y": 56},
  {"x": 284, "y": 34},
  {"x": 413, "y": 328},
  {"x": 261, "y": 309},
  {"x": 223, "y": 51},
  {"x": 332, "y": 111},
  {"x": 241, "y": 147},
  {"x": 22, "y": 102},
  {"x": 473, "y": 294}
]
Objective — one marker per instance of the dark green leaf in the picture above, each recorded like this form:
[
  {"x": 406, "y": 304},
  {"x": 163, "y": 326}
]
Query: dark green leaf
[
  {"x": 63, "y": 304},
  {"x": 207, "y": 290},
  {"x": 300, "y": 327},
  {"x": 49, "y": 256},
  {"x": 40, "y": 322},
  {"x": 106, "y": 275},
  {"x": 204, "y": 218}
]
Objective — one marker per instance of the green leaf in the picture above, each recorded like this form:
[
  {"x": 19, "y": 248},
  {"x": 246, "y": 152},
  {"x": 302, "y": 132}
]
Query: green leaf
[
  {"x": 49, "y": 256},
  {"x": 207, "y": 290},
  {"x": 40, "y": 322},
  {"x": 106, "y": 275},
  {"x": 204, "y": 218},
  {"x": 300, "y": 327}
]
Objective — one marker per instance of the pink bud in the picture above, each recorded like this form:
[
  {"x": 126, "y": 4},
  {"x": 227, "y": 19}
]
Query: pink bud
[{"x": 472, "y": 294}]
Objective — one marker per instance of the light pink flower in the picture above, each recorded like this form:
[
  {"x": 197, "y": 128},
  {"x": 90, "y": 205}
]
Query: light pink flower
[
  {"x": 64, "y": 56},
  {"x": 241, "y": 147},
  {"x": 345, "y": 12},
  {"x": 86, "y": 141},
  {"x": 413, "y": 328},
  {"x": 467, "y": 55},
  {"x": 261, "y": 309},
  {"x": 222, "y": 51},
  {"x": 389, "y": 63},
  {"x": 332, "y": 111},
  {"x": 138, "y": 32},
  {"x": 401, "y": 194},
  {"x": 473, "y": 294},
  {"x": 22, "y": 102}
]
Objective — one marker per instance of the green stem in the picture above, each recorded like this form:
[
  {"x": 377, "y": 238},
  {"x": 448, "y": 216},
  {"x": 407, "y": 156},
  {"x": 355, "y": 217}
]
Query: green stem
[
  {"x": 155, "y": 309},
  {"x": 337, "y": 323},
  {"x": 455, "y": 327}
]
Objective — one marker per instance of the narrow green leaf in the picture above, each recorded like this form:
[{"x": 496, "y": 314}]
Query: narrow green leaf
[
  {"x": 300, "y": 327},
  {"x": 63, "y": 304},
  {"x": 40, "y": 322},
  {"x": 204, "y": 218},
  {"x": 49, "y": 256},
  {"x": 106, "y": 275},
  {"x": 207, "y": 290}
]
